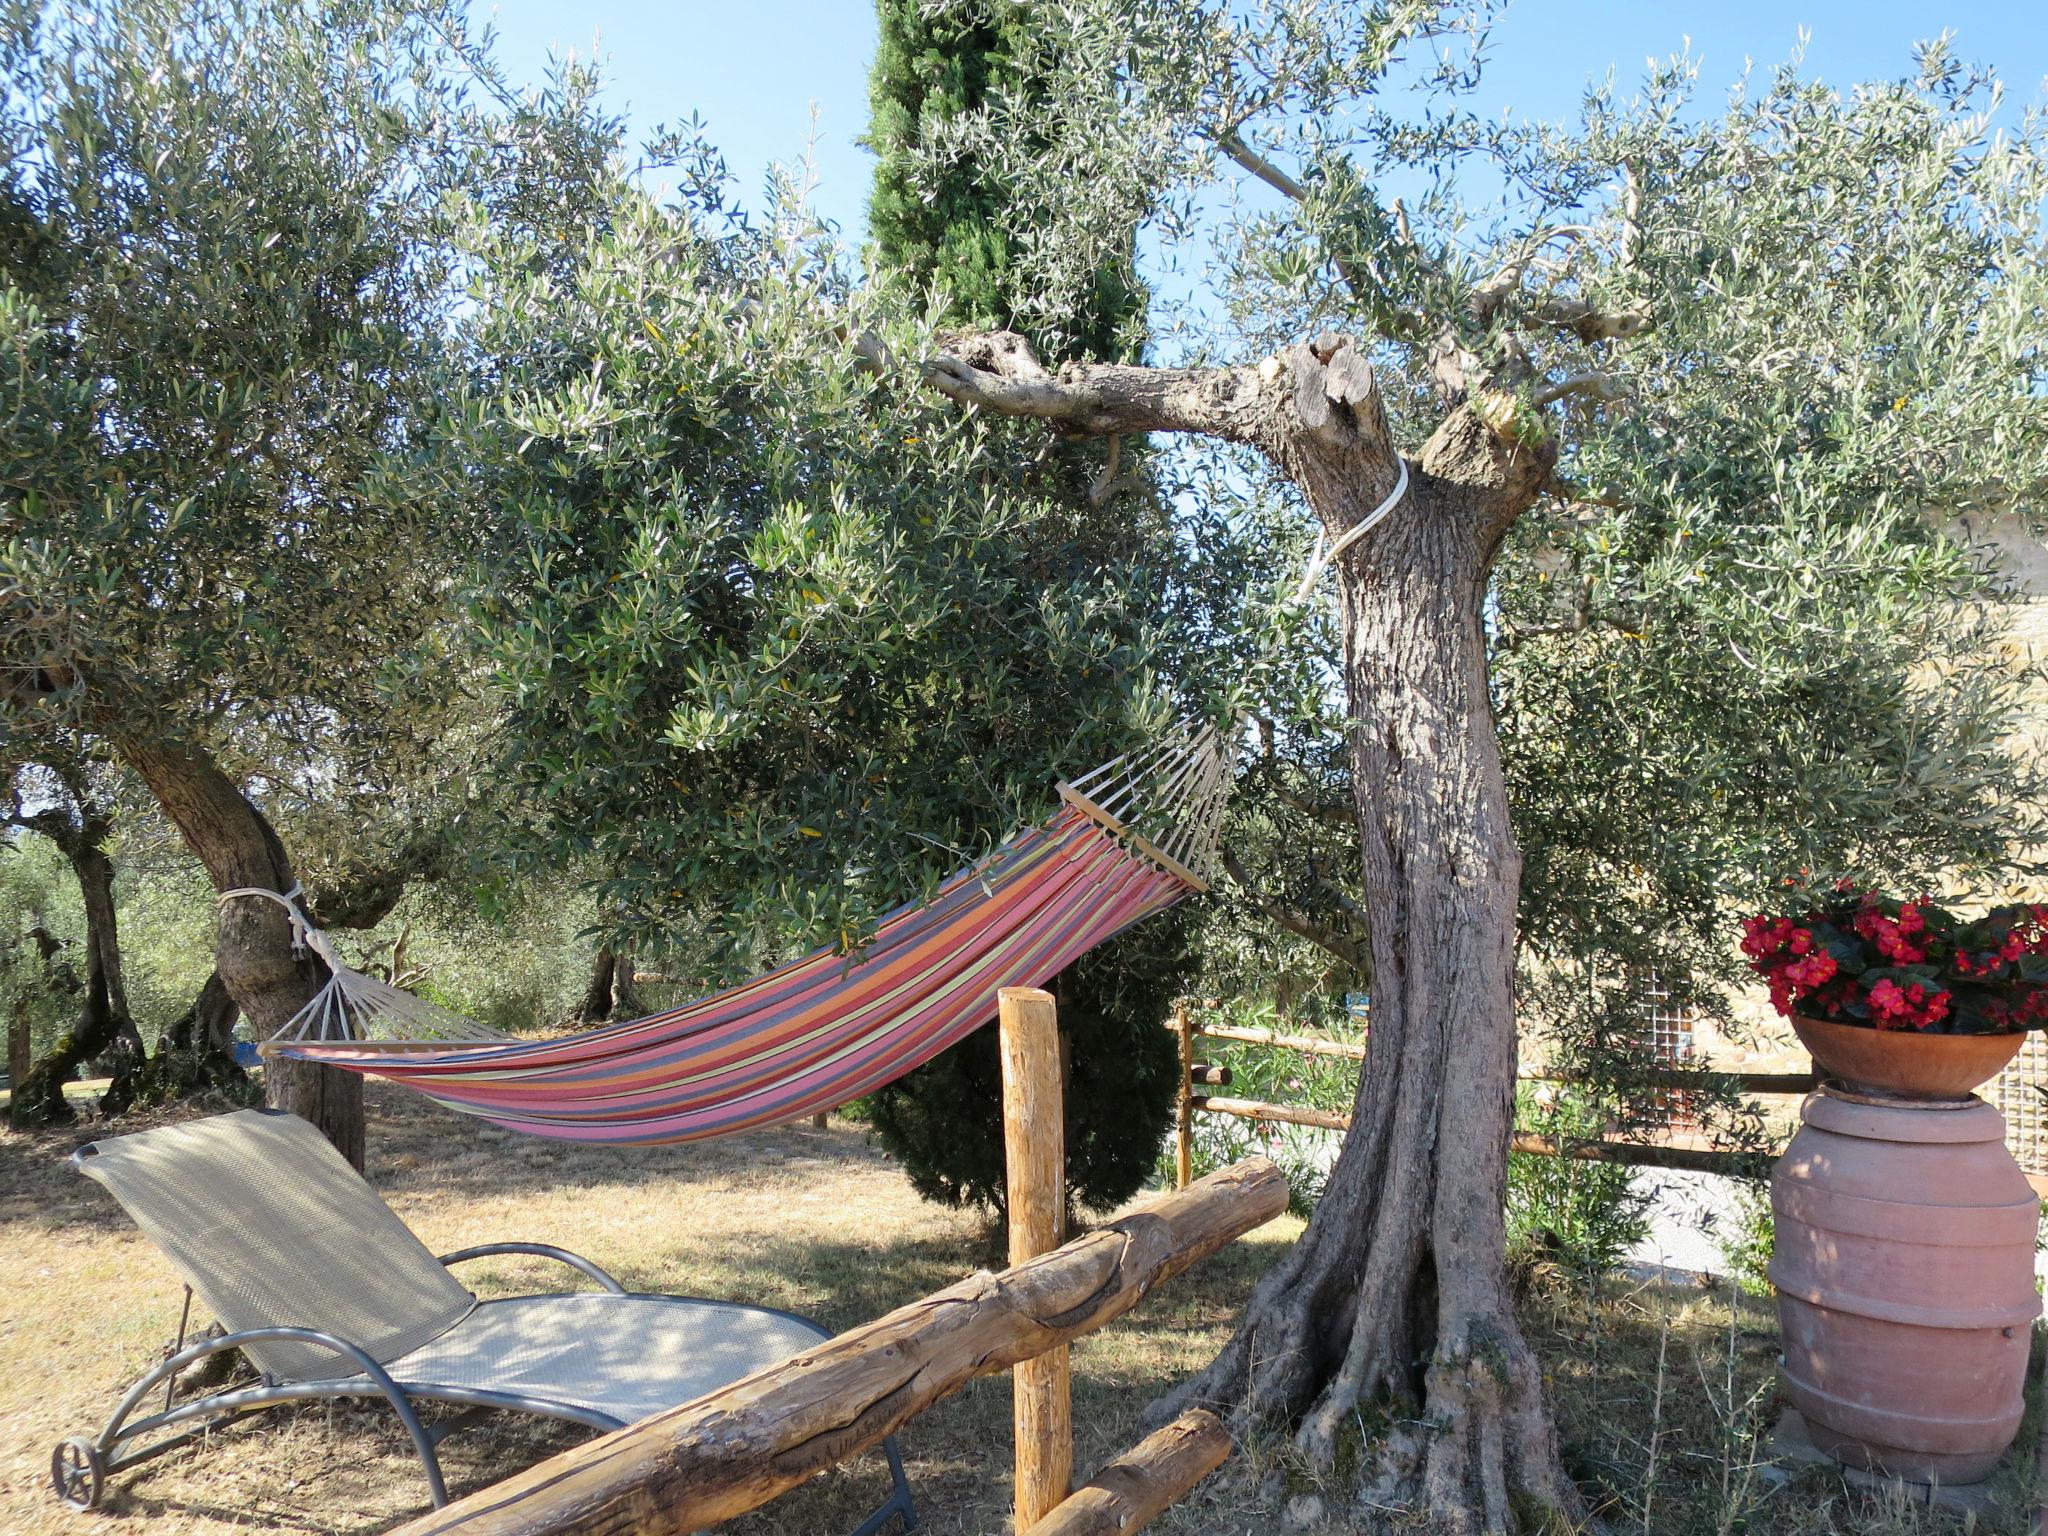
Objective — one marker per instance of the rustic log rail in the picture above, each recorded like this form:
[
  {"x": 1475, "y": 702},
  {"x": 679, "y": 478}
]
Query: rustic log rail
[
  {"x": 737, "y": 1448},
  {"x": 1285, "y": 1114},
  {"x": 1130, "y": 1490},
  {"x": 1307, "y": 1045}
]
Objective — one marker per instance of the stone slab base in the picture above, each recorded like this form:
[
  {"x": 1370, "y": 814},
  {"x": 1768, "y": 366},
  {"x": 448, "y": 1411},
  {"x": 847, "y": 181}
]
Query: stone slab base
[{"x": 1791, "y": 1443}]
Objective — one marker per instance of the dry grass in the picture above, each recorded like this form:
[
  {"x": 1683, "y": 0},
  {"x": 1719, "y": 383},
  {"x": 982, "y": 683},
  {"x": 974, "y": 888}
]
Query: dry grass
[
  {"x": 820, "y": 1223},
  {"x": 817, "y": 1222},
  {"x": 1666, "y": 1400}
]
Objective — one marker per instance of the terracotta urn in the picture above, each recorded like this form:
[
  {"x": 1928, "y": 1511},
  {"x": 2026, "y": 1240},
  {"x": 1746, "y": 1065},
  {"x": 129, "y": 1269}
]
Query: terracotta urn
[
  {"x": 1904, "y": 1266},
  {"x": 1905, "y": 1063}
]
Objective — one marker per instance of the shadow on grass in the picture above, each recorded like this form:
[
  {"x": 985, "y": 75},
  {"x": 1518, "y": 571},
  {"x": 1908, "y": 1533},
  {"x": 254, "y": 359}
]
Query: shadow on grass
[
  {"x": 348, "y": 1470},
  {"x": 416, "y": 1146}
]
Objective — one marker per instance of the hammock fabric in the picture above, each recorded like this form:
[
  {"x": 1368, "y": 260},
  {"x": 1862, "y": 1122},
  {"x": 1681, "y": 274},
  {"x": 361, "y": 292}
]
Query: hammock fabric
[{"x": 821, "y": 1031}]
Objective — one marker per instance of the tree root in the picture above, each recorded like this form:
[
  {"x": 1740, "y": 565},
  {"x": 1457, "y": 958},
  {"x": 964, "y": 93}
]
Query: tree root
[{"x": 1477, "y": 1457}]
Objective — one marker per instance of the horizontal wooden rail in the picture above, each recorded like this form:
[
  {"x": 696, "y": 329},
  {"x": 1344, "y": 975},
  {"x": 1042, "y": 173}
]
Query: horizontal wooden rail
[
  {"x": 1202, "y": 1075},
  {"x": 739, "y": 1447},
  {"x": 1635, "y": 1154},
  {"x": 1285, "y": 1114},
  {"x": 1128, "y": 1492},
  {"x": 1305, "y": 1044},
  {"x": 1759, "y": 1083},
  {"x": 1639, "y": 1154}
]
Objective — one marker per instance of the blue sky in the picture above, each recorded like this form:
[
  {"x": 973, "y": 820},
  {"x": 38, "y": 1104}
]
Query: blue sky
[{"x": 756, "y": 69}]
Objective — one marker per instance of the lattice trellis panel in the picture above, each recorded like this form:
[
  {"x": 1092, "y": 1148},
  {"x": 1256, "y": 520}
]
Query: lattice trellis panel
[
  {"x": 2016, "y": 1092},
  {"x": 1667, "y": 1028}
]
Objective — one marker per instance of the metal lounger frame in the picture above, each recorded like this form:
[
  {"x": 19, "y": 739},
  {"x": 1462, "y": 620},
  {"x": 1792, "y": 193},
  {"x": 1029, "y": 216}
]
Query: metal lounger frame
[{"x": 79, "y": 1466}]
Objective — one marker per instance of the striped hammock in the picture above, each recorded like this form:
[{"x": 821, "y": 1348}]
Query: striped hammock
[{"x": 822, "y": 1031}]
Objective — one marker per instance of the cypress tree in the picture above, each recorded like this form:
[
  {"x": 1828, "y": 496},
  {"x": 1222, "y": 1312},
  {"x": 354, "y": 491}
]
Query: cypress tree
[
  {"x": 943, "y": 1122},
  {"x": 955, "y": 235}
]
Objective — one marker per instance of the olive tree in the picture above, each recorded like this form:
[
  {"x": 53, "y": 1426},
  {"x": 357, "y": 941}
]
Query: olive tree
[
  {"x": 781, "y": 644},
  {"x": 67, "y": 806},
  {"x": 1497, "y": 359},
  {"x": 227, "y": 260}
]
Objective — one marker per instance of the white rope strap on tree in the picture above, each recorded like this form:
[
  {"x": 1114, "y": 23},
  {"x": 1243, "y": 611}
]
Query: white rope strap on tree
[
  {"x": 352, "y": 1006},
  {"x": 1324, "y": 559},
  {"x": 289, "y": 900}
]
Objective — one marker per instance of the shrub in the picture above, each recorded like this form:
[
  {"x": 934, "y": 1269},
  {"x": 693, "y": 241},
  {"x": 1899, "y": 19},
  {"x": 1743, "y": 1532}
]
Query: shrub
[
  {"x": 944, "y": 1122},
  {"x": 1566, "y": 1213}
]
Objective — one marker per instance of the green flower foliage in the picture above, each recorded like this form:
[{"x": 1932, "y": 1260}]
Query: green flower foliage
[{"x": 777, "y": 636}]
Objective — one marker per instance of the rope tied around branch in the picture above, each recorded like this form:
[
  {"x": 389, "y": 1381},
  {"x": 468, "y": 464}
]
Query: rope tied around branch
[
  {"x": 350, "y": 1005},
  {"x": 303, "y": 931},
  {"x": 1323, "y": 559}
]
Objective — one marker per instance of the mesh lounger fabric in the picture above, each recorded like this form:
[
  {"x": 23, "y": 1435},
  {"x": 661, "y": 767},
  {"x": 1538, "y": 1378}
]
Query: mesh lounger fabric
[
  {"x": 622, "y": 1356},
  {"x": 271, "y": 1227}
]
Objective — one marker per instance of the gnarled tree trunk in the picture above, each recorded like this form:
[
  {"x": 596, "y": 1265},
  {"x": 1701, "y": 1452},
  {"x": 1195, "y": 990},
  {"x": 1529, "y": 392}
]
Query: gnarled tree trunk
[
  {"x": 194, "y": 1055},
  {"x": 1396, "y": 1295},
  {"x": 20, "y": 1040},
  {"x": 612, "y": 992},
  {"x": 252, "y": 946},
  {"x": 1397, "y": 1292},
  {"x": 103, "y": 1021}
]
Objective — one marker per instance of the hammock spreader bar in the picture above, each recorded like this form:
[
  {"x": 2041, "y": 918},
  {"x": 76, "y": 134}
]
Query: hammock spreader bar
[{"x": 1132, "y": 839}]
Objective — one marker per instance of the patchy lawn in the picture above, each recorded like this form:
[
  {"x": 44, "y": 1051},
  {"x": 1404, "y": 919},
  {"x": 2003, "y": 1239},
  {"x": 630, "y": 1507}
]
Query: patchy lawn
[{"x": 818, "y": 1222}]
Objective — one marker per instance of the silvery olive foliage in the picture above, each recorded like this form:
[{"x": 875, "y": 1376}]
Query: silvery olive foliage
[
  {"x": 1759, "y": 629},
  {"x": 778, "y": 632},
  {"x": 1790, "y": 345},
  {"x": 229, "y": 257}
]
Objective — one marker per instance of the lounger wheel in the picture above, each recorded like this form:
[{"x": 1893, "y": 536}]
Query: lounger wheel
[{"x": 78, "y": 1472}]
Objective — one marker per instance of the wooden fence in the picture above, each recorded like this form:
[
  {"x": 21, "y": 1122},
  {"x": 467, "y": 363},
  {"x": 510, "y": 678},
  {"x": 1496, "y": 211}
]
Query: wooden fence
[
  {"x": 1670, "y": 1149},
  {"x": 739, "y": 1447}
]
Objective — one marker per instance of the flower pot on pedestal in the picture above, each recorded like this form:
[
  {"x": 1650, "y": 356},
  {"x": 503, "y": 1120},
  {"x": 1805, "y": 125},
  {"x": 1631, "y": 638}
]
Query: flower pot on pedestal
[{"x": 1904, "y": 1259}]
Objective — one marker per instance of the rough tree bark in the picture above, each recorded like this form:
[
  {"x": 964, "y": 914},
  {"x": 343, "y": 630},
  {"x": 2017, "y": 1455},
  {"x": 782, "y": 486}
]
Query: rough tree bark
[
  {"x": 19, "y": 1041},
  {"x": 53, "y": 973},
  {"x": 612, "y": 992},
  {"x": 1396, "y": 1294},
  {"x": 104, "y": 1023},
  {"x": 252, "y": 944}
]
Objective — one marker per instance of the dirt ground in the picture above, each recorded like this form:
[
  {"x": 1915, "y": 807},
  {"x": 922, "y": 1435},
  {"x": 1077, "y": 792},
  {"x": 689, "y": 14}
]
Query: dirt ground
[{"x": 1665, "y": 1396}]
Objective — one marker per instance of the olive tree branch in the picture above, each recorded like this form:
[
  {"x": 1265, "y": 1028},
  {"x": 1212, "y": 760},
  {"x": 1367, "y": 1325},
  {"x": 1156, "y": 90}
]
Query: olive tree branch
[
  {"x": 1297, "y": 923},
  {"x": 997, "y": 371}
]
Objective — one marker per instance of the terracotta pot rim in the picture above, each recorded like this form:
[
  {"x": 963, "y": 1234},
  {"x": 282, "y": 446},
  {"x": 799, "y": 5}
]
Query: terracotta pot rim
[
  {"x": 1880, "y": 1098},
  {"x": 1909, "y": 1065},
  {"x": 1908, "y": 1034}
]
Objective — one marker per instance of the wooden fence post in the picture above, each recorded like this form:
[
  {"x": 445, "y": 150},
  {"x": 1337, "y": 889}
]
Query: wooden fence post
[
  {"x": 1034, "y": 1139},
  {"x": 1184, "y": 1125}
]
